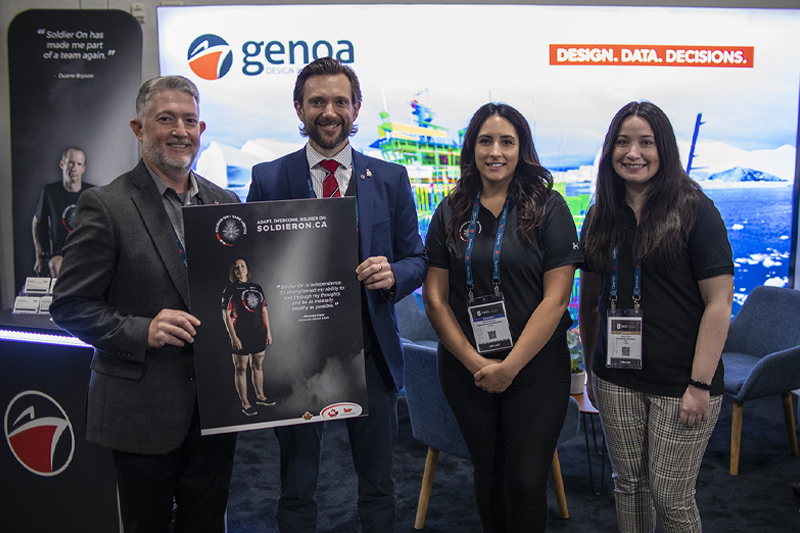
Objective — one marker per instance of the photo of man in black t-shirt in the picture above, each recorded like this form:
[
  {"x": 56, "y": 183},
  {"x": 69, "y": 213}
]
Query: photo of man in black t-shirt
[{"x": 55, "y": 212}]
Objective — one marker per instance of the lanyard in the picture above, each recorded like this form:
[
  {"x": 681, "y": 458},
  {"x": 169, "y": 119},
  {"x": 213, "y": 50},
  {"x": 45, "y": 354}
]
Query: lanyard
[
  {"x": 498, "y": 243},
  {"x": 637, "y": 280},
  {"x": 178, "y": 239},
  {"x": 311, "y": 193}
]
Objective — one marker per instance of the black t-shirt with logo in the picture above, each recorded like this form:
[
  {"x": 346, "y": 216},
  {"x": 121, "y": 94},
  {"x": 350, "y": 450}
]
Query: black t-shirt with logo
[
  {"x": 56, "y": 214},
  {"x": 246, "y": 303}
]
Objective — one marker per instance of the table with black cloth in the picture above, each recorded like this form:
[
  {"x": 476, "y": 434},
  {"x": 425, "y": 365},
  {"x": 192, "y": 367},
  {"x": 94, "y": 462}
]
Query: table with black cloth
[{"x": 53, "y": 480}]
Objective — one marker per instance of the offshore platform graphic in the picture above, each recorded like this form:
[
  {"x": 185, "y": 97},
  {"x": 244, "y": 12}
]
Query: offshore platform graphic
[{"x": 433, "y": 161}]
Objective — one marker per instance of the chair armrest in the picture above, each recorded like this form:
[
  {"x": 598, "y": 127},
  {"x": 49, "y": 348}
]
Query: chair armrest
[{"x": 775, "y": 373}]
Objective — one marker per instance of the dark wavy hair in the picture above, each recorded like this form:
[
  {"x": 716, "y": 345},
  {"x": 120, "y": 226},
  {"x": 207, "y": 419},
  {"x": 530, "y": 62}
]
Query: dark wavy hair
[
  {"x": 326, "y": 66},
  {"x": 231, "y": 274},
  {"x": 528, "y": 188},
  {"x": 670, "y": 208}
]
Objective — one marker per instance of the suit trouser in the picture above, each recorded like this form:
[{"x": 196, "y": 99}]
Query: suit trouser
[
  {"x": 197, "y": 475},
  {"x": 656, "y": 459},
  {"x": 371, "y": 441}
]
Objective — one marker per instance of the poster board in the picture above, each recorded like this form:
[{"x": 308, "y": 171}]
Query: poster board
[
  {"x": 73, "y": 77},
  {"x": 302, "y": 254}
]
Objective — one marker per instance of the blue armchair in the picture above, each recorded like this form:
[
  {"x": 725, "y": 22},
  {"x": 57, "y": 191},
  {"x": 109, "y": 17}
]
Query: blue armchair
[
  {"x": 412, "y": 323},
  {"x": 433, "y": 424},
  {"x": 762, "y": 357}
]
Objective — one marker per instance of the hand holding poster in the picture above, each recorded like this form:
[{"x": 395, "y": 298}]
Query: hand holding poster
[{"x": 275, "y": 288}]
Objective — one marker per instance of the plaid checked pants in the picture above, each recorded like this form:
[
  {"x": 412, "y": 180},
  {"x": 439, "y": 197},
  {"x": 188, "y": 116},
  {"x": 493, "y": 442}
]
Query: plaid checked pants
[{"x": 655, "y": 458}]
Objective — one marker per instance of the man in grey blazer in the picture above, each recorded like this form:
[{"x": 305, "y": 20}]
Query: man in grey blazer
[{"x": 123, "y": 288}]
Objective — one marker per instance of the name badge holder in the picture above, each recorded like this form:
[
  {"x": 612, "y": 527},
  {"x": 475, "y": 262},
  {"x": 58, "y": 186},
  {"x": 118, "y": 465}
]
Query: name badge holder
[
  {"x": 624, "y": 350},
  {"x": 487, "y": 314}
]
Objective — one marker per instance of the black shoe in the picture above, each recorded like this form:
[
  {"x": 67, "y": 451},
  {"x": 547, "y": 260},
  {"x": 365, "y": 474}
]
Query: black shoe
[
  {"x": 796, "y": 488},
  {"x": 266, "y": 402},
  {"x": 250, "y": 411}
]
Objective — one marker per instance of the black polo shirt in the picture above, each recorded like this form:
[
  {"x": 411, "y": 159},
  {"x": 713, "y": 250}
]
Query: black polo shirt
[
  {"x": 671, "y": 304},
  {"x": 522, "y": 266}
]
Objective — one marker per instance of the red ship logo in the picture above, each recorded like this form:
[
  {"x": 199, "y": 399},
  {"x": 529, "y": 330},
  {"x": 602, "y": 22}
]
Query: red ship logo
[{"x": 43, "y": 445}]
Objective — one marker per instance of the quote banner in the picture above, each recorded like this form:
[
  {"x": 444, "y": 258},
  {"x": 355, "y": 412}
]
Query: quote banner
[{"x": 73, "y": 79}]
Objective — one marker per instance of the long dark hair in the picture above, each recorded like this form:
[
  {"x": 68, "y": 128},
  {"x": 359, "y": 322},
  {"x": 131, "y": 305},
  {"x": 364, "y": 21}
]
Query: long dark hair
[
  {"x": 528, "y": 188},
  {"x": 670, "y": 207}
]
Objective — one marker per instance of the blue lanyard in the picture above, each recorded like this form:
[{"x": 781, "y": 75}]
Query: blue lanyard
[
  {"x": 498, "y": 243},
  {"x": 637, "y": 280},
  {"x": 311, "y": 193}
]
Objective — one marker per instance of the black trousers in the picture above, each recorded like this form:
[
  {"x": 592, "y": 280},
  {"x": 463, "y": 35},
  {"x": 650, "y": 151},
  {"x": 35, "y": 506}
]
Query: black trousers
[
  {"x": 197, "y": 476},
  {"x": 511, "y": 438}
]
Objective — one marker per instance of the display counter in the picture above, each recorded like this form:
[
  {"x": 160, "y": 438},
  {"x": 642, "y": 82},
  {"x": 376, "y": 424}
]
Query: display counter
[{"x": 52, "y": 479}]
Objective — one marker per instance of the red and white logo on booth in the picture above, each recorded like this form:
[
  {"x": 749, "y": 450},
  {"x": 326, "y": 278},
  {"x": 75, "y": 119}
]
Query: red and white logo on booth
[{"x": 39, "y": 433}]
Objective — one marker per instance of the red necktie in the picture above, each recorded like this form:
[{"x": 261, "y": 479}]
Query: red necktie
[{"x": 330, "y": 188}]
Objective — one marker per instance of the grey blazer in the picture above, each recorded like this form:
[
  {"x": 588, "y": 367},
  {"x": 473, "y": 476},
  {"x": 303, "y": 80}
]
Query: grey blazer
[{"x": 122, "y": 265}]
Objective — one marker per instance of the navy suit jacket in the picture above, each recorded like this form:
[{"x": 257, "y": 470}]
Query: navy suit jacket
[
  {"x": 387, "y": 225},
  {"x": 122, "y": 266}
]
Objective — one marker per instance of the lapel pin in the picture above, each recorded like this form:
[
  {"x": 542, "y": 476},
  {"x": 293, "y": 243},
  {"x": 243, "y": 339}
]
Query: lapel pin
[
  {"x": 362, "y": 176},
  {"x": 369, "y": 173}
]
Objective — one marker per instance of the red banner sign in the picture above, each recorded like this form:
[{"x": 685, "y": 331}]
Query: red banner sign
[{"x": 652, "y": 55}]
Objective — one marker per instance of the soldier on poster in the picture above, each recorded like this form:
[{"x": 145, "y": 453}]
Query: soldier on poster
[{"x": 271, "y": 267}]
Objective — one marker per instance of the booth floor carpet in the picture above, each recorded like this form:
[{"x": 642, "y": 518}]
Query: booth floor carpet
[{"x": 758, "y": 500}]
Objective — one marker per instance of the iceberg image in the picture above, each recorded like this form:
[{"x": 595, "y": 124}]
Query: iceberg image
[{"x": 229, "y": 167}]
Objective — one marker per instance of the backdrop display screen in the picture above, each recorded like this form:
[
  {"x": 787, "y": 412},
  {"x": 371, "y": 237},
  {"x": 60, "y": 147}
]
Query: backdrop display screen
[{"x": 728, "y": 77}]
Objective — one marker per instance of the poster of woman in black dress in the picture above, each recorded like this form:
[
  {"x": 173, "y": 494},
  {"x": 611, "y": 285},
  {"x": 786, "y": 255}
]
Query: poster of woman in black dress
[{"x": 245, "y": 314}]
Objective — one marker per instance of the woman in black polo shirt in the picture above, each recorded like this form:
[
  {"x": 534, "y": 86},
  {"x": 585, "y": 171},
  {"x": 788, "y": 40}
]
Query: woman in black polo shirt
[
  {"x": 244, "y": 311},
  {"x": 502, "y": 357},
  {"x": 655, "y": 306}
]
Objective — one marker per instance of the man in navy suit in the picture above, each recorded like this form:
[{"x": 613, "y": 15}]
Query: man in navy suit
[{"x": 327, "y": 98}]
